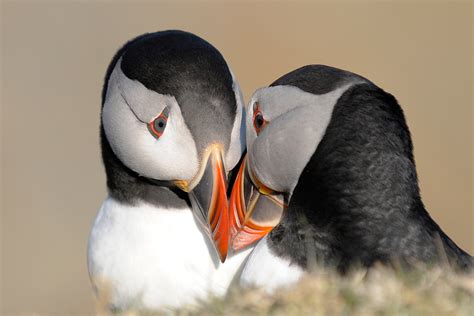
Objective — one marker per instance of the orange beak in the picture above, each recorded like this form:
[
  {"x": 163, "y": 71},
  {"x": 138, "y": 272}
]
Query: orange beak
[
  {"x": 219, "y": 212},
  {"x": 254, "y": 209},
  {"x": 209, "y": 200}
]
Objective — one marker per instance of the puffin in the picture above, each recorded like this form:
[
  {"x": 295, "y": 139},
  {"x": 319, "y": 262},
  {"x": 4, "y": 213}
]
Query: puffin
[
  {"x": 171, "y": 133},
  {"x": 329, "y": 180}
]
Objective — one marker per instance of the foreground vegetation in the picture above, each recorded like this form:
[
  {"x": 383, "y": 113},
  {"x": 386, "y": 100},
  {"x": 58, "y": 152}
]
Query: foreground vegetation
[{"x": 378, "y": 291}]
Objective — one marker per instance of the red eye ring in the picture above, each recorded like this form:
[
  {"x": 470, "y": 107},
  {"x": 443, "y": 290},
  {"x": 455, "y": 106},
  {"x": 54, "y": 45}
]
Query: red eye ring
[
  {"x": 259, "y": 122},
  {"x": 157, "y": 126}
]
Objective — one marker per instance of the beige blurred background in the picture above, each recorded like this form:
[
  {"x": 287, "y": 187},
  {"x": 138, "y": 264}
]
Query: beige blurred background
[{"x": 54, "y": 56}]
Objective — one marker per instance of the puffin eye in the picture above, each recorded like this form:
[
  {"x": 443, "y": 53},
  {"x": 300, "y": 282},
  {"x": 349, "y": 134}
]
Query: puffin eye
[
  {"x": 158, "y": 125},
  {"x": 258, "y": 121}
]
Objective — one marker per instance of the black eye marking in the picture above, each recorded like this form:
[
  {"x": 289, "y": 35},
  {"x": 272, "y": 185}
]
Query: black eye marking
[
  {"x": 158, "y": 125},
  {"x": 258, "y": 121}
]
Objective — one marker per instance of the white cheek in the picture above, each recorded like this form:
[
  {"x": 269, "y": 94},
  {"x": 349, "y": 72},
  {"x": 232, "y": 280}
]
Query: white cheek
[
  {"x": 171, "y": 157},
  {"x": 175, "y": 151},
  {"x": 297, "y": 123},
  {"x": 283, "y": 149}
]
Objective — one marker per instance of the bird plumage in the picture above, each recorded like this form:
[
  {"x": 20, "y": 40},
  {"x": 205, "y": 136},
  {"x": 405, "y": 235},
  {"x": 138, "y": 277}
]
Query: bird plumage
[
  {"x": 356, "y": 200},
  {"x": 149, "y": 257},
  {"x": 152, "y": 244}
]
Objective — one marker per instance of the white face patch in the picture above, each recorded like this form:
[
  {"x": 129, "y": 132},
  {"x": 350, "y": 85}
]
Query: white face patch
[
  {"x": 237, "y": 138},
  {"x": 297, "y": 121},
  {"x": 128, "y": 107}
]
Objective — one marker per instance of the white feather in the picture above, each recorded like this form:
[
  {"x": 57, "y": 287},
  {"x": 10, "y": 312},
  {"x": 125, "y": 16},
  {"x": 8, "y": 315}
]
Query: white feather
[
  {"x": 264, "y": 269},
  {"x": 155, "y": 258}
]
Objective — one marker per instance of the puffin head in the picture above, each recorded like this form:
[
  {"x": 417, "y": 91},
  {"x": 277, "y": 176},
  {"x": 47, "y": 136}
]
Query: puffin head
[
  {"x": 171, "y": 118},
  {"x": 285, "y": 123}
]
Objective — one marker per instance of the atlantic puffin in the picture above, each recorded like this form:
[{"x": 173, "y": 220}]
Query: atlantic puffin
[
  {"x": 171, "y": 132},
  {"x": 329, "y": 180}
]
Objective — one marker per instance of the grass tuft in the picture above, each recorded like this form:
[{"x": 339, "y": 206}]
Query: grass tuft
[{"x": 377, "y": 291}]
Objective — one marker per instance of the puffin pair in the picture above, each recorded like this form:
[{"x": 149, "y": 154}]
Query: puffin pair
[{"x": 329, "y": 178}]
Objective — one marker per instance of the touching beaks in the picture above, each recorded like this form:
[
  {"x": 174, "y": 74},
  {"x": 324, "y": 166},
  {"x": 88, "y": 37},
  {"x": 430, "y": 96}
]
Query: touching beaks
[
  {"x": 254, "y": 209},
  {"x": 209, "y": 200}
]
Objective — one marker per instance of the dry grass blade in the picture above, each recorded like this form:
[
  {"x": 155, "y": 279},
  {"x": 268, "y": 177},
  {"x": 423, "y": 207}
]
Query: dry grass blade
[{"x": 378, "y": 291}]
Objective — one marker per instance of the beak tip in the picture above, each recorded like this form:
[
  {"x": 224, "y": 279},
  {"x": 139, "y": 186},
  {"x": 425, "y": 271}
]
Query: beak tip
[{"x": 223, "y": 251}]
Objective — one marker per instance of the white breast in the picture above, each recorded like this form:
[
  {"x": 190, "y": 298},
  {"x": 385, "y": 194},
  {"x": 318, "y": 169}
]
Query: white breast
[
  {"x": 154, "y": 258},
  {"x": 265, "y": 270}
]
